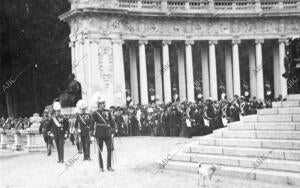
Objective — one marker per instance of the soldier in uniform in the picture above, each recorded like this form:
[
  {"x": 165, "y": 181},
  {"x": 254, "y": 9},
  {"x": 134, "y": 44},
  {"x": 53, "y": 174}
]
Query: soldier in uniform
[
  {"x": 82, "y": 125},
  {"x": 103, "y": 129},
  {"x": 58, "y": 129}
]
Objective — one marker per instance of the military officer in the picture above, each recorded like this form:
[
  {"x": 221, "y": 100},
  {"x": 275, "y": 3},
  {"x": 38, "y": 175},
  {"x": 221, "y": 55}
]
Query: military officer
[
  {"x": 82, "y": 125},
  {"x": 103, "y": 129},
  {"x": 58, "y": 129}
]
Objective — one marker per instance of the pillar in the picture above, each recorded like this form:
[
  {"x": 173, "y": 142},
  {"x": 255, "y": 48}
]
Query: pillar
[
  {"x": 189, "y": 70},
  {"x": 181, "y": 73},
  {"x": 213, "y": 70},
  {"x": 158, "y": 73},
  {"x": 143, "y": 72},
  {"x": 277, "y": 89},
  {"x": 166, "y": 72},
  {"x": 205, "y": 72},
  {"x": 3, "y": 137},
  {"x": 236, "y": 68},
  {"x": 119, "y": 73},
  {"x": 283, "y": 81},
  {"x": 259, "y": 69},
  {"x": 228, "y": 72},
  {"x": 252, "y": 70},
  {"x": 133, "y": 74}
]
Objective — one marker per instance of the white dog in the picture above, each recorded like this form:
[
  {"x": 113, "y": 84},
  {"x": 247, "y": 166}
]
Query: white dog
[{"x": 206, "y": 171}]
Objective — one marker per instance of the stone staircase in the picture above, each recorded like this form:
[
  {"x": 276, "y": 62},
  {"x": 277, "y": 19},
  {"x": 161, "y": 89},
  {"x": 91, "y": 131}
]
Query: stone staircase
[{"x": 262, "y": 147}]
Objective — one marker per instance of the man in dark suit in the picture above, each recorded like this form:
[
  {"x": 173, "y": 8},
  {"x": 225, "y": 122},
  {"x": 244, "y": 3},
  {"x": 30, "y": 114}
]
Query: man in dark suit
[
  {"x": 58, "y": 129},
  {"x": 103, "y": 129},
  {"x": 83, "y": 125},
  {"x": 43, "y": 130}
]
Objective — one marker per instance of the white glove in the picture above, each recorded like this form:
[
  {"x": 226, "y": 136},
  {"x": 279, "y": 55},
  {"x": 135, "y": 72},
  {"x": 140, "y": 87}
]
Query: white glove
[{"x": 66, "y": 135}]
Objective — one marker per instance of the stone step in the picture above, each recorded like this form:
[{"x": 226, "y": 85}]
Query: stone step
[
  {"x": 271, "y": 118},
  {"x": 291, "y": 103},
  {"x": 245, "y": 152},
  {"x": 251, "y": 143},
  {"x": 261, "y": 162},
  {"x": 271, "y": 176},
  {"x": 264, "y": 126},
  {"x": 275, "y": 111},
  {"x": 293, "y": 97},
  {"x": 254, "y": 134}
]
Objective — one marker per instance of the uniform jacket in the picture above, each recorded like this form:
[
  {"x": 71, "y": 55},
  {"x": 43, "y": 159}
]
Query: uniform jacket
[
  {"x": 83, "y": 124},
  {"x": 58, "y": 131},
  {"x": 102, "y": 124}
]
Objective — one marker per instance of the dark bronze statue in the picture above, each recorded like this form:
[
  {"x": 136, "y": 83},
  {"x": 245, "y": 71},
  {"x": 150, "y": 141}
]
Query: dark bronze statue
[{"x": 72, "y": 93}]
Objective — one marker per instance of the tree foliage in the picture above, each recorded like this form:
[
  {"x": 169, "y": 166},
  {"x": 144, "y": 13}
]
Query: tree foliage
[{"x": 34, "y": 45}]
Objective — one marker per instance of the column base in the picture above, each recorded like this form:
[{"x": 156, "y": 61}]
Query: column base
[
  {"x": 3, "y": 146},
  {"x": 17, "y": 147}
]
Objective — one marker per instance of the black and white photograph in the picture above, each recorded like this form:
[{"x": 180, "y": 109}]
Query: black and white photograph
[{"x": 149, "y": 93}]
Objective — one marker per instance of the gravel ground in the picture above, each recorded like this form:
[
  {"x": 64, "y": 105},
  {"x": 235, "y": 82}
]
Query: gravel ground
[{"x": 135, "y": 165}]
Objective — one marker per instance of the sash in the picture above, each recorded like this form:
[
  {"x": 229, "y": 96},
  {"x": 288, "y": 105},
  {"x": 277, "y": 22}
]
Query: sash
[
  {"x": 99, "y": 115},
  {"x": 83, "y": 121},
  {"x": 56, "y": 122}
]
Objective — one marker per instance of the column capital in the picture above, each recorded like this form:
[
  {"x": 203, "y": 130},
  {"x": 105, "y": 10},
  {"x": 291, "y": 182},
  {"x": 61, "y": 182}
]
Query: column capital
[
  {"x": 212, "y": 42},
  {"x": 236, "y": 41},
  {"x": 283, "y": 40},
  {"x": 166, "y": 42},
  {"x": 189, "y": 42},
  {"x": 72, "y": 44},
  {"x": 259, "y": 41},
  {"x": 143, "y": 42}
]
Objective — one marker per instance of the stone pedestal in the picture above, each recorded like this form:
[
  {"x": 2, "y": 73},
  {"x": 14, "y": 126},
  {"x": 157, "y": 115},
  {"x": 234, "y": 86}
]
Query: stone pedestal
[
  {"x": 3, "y": 143},
  {"x": 35, "y": 141},
  {"x": 17, "y": 145}
]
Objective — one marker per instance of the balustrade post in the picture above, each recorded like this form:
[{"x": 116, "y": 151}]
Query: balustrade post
[
  {"x": 17, "y": 146},
  {"x": 257, "y": 6},
  {"x": 187, "y": 5},
  {"x": 3, "y": 143},
  {"x": 139, "y": 4},
  {"x": 164, "y": 5},
  {"x": 280, "y": 5},
  {"x": 34, "y": 141},
  {"x": 211, "y": 5}
]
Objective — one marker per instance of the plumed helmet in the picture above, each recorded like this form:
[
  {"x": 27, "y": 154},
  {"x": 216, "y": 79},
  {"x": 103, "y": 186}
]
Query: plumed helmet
[
  {"x": 82, "y": 105},
  {"x": 56, "y": 106},
  {"x": 98, "y": 98}
]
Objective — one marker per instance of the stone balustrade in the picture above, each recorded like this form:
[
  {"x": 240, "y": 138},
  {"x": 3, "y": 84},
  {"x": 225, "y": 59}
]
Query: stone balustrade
[
  {"x": 16, "y": 140},
  {"x": 192, "y": 6}
]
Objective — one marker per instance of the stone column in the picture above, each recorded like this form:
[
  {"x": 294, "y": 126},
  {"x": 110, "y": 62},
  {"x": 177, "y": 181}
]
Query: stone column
[
  {"x": 157, "y": 72},
  {"x": 205, "y": 72},
  {"x": 259, "y": 70},
  {"x": 228, "y": 71},
  {"x": 236, "y": 67},
  {"x": 189, "y": 70},
  {"x": 72, "y": 46},
  {"x": 277, "y": 89},
  {"x": 181, "y": 73},
  {"x": 213, "y": 70},
  {"x": 3, "y": 143},
  {"x": 133, "y": 74},
  {"x": 252, "y": 70},
  {"x": 143, "y": 72},
  {"x": 283, "y": 81},
  {"x": 166, "y": 72},
  {"x": 119, "y": 73}
]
